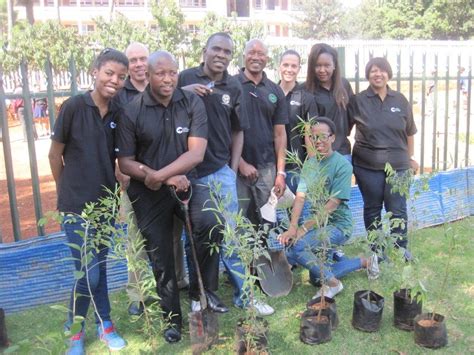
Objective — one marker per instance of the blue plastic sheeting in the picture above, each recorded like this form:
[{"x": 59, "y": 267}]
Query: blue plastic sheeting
[{"x": 35, "y": 272}]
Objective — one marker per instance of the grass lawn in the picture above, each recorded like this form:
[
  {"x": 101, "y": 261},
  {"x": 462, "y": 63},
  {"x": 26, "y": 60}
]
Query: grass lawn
[{"x": 429, "y": 245}]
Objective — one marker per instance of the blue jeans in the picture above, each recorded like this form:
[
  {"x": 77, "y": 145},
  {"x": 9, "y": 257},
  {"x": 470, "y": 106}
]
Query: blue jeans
[
  {"x": 376, "y": 194},
  {"x": 95, "y": 277},
  {"x": 227, "y": 179},
  {"x": 303, "y": 253}
]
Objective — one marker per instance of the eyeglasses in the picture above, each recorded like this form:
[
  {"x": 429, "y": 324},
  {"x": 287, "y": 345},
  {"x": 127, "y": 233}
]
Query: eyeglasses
[{"x": 321, "y": 137}]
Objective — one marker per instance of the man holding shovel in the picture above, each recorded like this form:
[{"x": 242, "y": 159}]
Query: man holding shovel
[
  {"x": 162, "y": 136},
  {"x": 222, "y": 96}
]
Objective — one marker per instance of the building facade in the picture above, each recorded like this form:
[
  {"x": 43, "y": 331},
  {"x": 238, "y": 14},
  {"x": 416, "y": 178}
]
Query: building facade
[{"x": 277, "y": 16}]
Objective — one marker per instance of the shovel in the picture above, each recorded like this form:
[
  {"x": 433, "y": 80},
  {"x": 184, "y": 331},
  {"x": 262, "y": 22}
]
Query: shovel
[
  {"x": 203, "y": 325},
  {"x": 274, "y": 271}
]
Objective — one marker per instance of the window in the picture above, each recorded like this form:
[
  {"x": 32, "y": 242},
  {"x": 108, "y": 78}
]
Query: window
[
  {"x": 192, "y": 29},
  {"x": 192, "y": 3},
  {"x": 258, "y": 4}
]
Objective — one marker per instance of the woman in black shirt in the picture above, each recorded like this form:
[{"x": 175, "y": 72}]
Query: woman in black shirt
[{"x": 384, "y": 134}]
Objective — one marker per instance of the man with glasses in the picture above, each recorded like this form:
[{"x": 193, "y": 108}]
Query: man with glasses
[
  {"x": 262, "y": 165},
  {"x": 334, "y": 172}
]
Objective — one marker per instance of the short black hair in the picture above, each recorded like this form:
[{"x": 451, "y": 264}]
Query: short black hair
[
  {"x": 380, "y": 62},
  {"x": 290, "y": 52},
  {"x": 218, "y": 34},
  {"x": 110, "y": 55},
  {"x": 327, "y": 121}
]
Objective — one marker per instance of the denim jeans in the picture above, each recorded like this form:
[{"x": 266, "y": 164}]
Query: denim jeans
[
  {"x": 303, "y": 253},
  {"x": 95, "y": 277},
  {"x": 227, "y": 179},
  {"x": 376, "y": 194}
]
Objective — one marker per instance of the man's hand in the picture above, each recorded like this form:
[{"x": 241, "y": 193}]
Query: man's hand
[
  {"x": 152, "y": 179},
  {"x": 248, "y": 171},
  {"x": 199, "y": 89},
  {"x": 288, "y": 237},
  {"x": 180, "y": 182},
  {"x": 280, "y": 185},
  {"x": 124, "y": 180}
]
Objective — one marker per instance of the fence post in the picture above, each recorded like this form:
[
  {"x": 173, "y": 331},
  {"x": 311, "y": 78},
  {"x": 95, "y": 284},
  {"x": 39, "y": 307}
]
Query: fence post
[
  {"x": 399, "y": 69},
  {"x": 468, "y": 110},
  {"x": 423, "y": 113},
  {"x": 357, "y": 74},
  {"x": 341, "y": 56},
  {"x": 7, "y": 156},
  {"x": 73, "y": 73},
  {"x": 446, "y": 117},
  {"x": 50, "y": 89},
  {"x": 435, "y": 116},
  {"x": 458, "y": 105},
  {"x": 31, "y": 145}
]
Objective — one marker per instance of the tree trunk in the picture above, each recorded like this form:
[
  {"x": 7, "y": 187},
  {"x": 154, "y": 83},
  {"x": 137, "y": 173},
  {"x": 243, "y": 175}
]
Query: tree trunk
[
  {"x": 111, "y": 9},
  {"x": 29, "y": 11},
  {"x": 58, "y": 12}
]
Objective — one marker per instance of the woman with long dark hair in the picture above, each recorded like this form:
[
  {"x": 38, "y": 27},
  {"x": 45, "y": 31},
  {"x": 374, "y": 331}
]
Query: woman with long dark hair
[
  {"x": 384, "y": 134},
  {"x": 332, "y": 92}
]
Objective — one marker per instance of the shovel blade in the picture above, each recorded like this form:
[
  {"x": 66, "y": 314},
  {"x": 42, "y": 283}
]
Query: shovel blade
[
  {"x": 203, "y": 329},
  {"x": 276, "y": 278}
]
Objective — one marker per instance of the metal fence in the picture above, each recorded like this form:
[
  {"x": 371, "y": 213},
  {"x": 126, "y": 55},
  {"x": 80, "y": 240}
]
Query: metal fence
[{"x": 441, "y": 97}]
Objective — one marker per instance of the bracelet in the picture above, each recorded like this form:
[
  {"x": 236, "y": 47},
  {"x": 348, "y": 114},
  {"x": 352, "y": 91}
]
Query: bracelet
[
  {"x": 303, "y": 227},
  {"x": 282, "y": 173}
]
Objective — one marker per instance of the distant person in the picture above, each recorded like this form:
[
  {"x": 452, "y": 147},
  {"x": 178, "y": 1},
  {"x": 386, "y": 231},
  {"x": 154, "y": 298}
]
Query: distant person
[
  {"x": 40, "y": 115},
  {"x": 82, "y": 160},
  {"x": 463, "y": 81},
  {"x": 19, "y": 108},
  {"x": 385, "y": 132},
  {"x": 332, "y": 92}
]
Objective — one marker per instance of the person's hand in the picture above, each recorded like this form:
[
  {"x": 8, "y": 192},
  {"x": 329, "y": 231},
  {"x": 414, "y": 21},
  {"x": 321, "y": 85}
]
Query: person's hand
[
  {"x": 199, "y": 89},
  {"x": 124, "y": 180},
  {"x": 152, "y": 179},
  {"x": 280, "y": 185},
  {"x": 248, "y": 171},
  {"x": 414, "y": 165},
  {"x": 288, "y": 237},
  {"x": 180, "y": 182}
]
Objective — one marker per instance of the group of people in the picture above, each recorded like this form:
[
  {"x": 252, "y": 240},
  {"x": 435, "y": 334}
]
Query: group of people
[{"x": 190, "y": 130}]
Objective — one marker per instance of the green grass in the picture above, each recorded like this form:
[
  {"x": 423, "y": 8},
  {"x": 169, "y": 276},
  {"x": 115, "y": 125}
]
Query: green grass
[{"x": 429, "y": 245}]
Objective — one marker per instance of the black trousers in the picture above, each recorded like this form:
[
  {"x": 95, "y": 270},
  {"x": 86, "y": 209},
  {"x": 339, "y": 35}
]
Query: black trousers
[{"x": 155, "y": 211}]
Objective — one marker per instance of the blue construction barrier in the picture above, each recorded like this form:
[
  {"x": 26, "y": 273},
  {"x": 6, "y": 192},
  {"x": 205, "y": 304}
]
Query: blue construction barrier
[{"x": 35, "y": 271}]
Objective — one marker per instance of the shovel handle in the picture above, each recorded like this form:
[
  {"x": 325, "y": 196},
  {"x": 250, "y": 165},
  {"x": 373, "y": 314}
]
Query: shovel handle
[{"x": 189, "y": 231}]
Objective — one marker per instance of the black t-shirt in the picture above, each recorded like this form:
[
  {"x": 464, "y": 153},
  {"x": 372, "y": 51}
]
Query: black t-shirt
[
  {"x": 224, "y": 114},
  {"x": 126, "y": 94},
  {"x": 329, "y": 108},
  {"x": 382, "y": 128},
  {"x": 89, "y": 157},
  {"x": 301, "y": 106},
  {"x": 266, "y": 107},
  {"x": 157, "y": 135}
]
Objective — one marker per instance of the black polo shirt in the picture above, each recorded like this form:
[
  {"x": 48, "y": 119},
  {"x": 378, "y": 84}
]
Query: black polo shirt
[
  {"x": 301, "y": 106},
  {"x": 126, "y": 94},
  {"x": 89, "y": 157},
  {"x": 266, "y": 107},
  {"x": 223, "y": 107},
  {"x": 382, "y": 128},
  {"x": 329, "y": 108},
  {"x": 157, "y": 135}
]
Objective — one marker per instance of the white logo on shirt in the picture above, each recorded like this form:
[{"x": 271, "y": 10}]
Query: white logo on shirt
[
  {"x": 117, "y": 150},
  {"x": 181, "y": 130},
  {"x": 113, "y": 125},
  {"x": 225, "y": 99},
  {"x": 295, "y": 103},
  {"x": 395, "y": 109}
]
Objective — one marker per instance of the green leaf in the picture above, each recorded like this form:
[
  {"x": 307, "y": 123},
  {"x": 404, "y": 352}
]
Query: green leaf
[{"x": 78, "y": 274}]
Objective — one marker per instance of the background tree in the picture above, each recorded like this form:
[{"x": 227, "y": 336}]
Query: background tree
[
  {"x": 170, "y": 20},
  {"x": 447, "y": 19},
  {"x": 320, "y": 19},
  {"x": 28, "y": 4}
]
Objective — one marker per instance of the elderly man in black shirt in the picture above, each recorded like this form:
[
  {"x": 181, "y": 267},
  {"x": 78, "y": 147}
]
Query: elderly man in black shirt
[
  {"x": 262, "y": 165},
  {"x": 162, "y": 136}
]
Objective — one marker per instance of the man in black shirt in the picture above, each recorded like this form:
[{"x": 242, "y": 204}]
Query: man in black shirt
[
  {"x": 262, "y": 165},
  {"x": 222, "y": 96},
  {"x": 162, "y": 136}
]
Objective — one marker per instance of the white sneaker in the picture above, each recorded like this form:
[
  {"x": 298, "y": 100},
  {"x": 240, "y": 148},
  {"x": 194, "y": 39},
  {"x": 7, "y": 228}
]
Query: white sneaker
[
  {"x": 329, "y": 291},
  {"x": 373, "y": 270},
  {"x": 262, "y": 308},
  {"x": 195, "y": 306}
]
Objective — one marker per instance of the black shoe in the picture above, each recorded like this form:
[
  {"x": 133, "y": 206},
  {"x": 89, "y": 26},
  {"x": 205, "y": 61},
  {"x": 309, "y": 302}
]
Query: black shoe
[
  {"x": 172, "y": 335},
  {"x": 215, "y": 304},
  {"x": 135, "y": 309}
]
